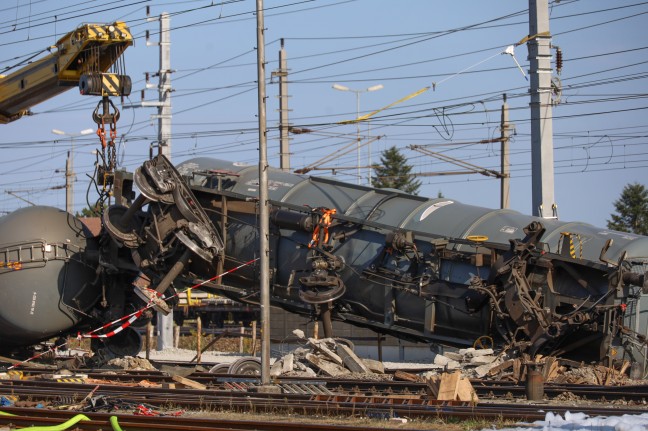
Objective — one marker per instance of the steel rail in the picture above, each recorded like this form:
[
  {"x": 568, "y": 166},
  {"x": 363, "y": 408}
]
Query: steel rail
[
  {"x": 383, "y": 406},
  {"x": 26, "y": 417},
  {"x": 483, "y": 388}
]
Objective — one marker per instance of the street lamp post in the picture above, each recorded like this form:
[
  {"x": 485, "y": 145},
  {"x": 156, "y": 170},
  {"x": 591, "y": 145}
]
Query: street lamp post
[
  {"x": 357, "y": 93},
  {"x": 69, "y": 172}
]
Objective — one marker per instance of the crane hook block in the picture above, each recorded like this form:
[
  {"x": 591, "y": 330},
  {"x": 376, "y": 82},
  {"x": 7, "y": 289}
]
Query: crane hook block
[
  {"x": 106, "y": 117},
  {"x": 105, "y": 84}
]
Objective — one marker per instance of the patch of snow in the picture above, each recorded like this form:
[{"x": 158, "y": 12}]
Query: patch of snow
[{"x": 582, "y": 422}]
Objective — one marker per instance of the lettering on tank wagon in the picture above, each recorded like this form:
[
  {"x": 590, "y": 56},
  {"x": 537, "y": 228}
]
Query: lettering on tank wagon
[
  {"x": 33, "y": 304},
  {"x": 429, "y": 210},
  {"x": 623, "y": 235},
  {"x": 272, "y": 184},
  {"x": 508, "y": 229}
]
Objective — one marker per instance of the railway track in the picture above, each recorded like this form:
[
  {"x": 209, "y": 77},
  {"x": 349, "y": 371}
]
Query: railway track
[
  {"x": 485, "y": 389},
  {"x": 22, "y": 417},
  {"x": 107, "y": 392},
  {"x": 112, "y": 397}
]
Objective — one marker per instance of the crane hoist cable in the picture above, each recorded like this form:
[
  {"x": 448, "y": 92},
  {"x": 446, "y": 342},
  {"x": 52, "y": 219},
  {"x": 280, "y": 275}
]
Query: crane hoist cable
[
  {"x": 89, "y": 57},
  {"x": 104, "y": 84}
]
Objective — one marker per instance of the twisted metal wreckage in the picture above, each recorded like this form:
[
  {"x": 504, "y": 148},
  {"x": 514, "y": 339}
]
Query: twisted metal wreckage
[{"x": 429, "y": 270}]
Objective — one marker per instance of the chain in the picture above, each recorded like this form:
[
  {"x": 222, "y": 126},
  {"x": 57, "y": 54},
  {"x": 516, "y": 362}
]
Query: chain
[{"x": 106, "y": 167}]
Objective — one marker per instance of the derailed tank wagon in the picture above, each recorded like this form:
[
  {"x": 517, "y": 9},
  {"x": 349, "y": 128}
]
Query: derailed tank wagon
[{"x": 428, "y": 270}]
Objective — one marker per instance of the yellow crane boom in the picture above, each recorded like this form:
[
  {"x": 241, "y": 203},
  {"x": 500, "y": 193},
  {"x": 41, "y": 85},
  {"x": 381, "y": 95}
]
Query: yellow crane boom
[{"x": 82, "y": 57}]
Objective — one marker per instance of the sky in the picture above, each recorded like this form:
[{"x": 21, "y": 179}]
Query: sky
[{"x": 453, "y": 48}]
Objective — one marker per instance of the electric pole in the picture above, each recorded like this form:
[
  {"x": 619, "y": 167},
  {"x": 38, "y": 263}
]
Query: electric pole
[
  {"x": 69, "y": 167},
  {"x": 505, "y": 129},
  {"x": 542, "y": 159},
  {"x": 165, "y": 322},
  {"x": 163, "y": 104},
  {"x": 284, "y": 138},
  {"x": 264, "y": 211},
  {"x": 357, "y": 94},
  {"x": 69, "y": 184},
  {"x": 164, "y": 87}
]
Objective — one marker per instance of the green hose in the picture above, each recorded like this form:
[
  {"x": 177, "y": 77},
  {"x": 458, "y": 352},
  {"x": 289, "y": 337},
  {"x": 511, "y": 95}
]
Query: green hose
[
  {"x": 63, "y": 426},
  {"x": 114, "y": 421}
]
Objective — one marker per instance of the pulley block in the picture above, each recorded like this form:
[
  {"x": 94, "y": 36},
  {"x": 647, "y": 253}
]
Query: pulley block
[{"x": 105, "y": 84}]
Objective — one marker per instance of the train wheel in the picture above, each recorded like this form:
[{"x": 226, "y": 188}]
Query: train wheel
[
  {"x": 220, "y": 368},
  {"x": 246, "y": 367},
  {"x": 126, "y": 343}
]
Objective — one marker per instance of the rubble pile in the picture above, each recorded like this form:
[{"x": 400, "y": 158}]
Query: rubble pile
[
  {"x": 130, "y": 363},
  {"x": 328, "y": 357},
  {"x": 474, "y": 363},
  {"x": 592, "y": 375},
  {"x": 557, "y": 370},
  {"x": 334, "y": 358},
  {"x": 484, "y": 364}
]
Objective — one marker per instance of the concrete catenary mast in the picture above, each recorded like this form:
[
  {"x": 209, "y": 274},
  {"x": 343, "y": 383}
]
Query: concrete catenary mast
[
  {"x": 163, "y": 105},
  {"x": 542, "y": 159},
  {"x": 264, "y": 210},
  {"x": 165, "y": 322},
  {"x": 284, "y": 126}
]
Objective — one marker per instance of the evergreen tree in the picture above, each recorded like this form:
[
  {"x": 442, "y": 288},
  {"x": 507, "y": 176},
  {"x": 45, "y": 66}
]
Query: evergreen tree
[
  {"x": 631, "y": 210},
  {"x": 394, "y": 173},
  {"x": 89, "y": 212}
]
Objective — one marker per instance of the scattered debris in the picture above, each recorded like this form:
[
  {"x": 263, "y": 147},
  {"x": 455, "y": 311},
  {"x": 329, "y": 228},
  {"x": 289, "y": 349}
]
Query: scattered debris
[
  {"x": 350, "y": 360},
  {"x": 8, "y": 400},
  {"x": 451, "y": 387},
  {"x": 398, "y": 420},
  {"x": 567, "y": 396},
  {"x": 326, "y": 367},
  {"x": 328, "y": 357},
  {"x": 335, "y": 358},
  {"x": 131, "y": 363},
  {"x": 557, "y": 370},
  {"x": 405, "y": 376},
  {"x": 188, "y": 382},
  {"x": 178, "y": 370},
  {"x": 298, "y": 333}
]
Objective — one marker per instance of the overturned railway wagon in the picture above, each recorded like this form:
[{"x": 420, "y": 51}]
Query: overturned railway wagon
[
  {"x": 428, "y": 270},
  {"x": 431, "y": 270}
]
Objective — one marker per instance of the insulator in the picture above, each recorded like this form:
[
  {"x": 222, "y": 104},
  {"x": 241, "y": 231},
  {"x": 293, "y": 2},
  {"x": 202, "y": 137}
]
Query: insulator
[{"x": 559, "y": 60}]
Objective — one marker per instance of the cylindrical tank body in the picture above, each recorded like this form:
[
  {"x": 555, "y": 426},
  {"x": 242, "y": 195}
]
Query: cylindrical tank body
[
  {"x": 393, "y": 210},
  {"x": 44, "y": 280},
  {"x": 442, "y": 216}
]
